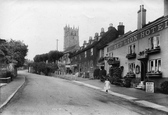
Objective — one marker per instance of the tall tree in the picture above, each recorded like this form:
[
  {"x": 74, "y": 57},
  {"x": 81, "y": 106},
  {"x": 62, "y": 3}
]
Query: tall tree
[
  {"x": 54, "y": 55},
  {"x": 16, "y": 52},
  {"x": 3, "y": 50}
]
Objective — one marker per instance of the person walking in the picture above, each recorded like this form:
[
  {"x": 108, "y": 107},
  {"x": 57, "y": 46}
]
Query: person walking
[{"x": 107, "y": 85}]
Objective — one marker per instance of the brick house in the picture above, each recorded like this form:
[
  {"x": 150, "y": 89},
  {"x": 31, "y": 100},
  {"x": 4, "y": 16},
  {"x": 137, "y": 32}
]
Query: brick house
[{"x": 86, "y": 58}]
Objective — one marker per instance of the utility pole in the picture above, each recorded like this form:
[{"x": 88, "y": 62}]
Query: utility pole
[{"x": 57, "y": 44}]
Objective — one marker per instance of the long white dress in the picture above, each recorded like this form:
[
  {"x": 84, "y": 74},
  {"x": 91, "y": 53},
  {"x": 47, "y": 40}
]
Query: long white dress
[{"x": 107, "y": 85}]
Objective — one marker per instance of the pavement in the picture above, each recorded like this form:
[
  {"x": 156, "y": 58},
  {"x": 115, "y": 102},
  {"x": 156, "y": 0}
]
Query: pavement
[
  {"x": 7, "y": 91},
  {"x": 157, "y": 101}
]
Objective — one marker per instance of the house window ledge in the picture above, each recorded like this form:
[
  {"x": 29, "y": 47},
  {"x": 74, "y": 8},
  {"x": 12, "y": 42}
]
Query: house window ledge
[
  {"x": 131, "y": 56},
  {"x": 153, "y": 51},
  {"x": 154, "y": 75}
]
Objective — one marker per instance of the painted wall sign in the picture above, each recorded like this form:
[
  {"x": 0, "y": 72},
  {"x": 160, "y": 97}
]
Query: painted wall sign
[{"x": 140, "y": 35}]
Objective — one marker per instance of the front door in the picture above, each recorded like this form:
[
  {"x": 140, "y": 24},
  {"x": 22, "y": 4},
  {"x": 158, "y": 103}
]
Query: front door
[{"x": 143, "y": 69}]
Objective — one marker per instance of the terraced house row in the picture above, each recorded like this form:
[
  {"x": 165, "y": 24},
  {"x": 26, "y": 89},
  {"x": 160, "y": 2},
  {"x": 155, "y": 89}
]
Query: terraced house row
[{"x": 142, "y": 53}]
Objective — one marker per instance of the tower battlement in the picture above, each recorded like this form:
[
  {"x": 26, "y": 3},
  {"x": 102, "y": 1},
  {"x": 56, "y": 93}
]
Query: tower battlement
[{"x": 71, "y": 37}]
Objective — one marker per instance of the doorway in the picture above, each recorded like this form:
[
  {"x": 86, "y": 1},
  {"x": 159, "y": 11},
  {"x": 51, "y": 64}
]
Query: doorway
[{"x": 143, "y": 69}]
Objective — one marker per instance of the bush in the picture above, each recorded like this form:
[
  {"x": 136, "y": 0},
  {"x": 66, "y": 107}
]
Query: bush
[
  {"x": 115, "y": 81},
  {"x": 45, "y": 68},
  {"x": 3, "y": 75},
  {"x": 164, "y": 87},
  {"x": 96, "y": 73},
  {"x": 7, "y": 74},
  {"x": 10, "y": 74},
  {"x": 127, "y": 82}
]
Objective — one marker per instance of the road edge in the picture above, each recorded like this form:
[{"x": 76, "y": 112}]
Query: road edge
[{"x": 12, "y": 95}]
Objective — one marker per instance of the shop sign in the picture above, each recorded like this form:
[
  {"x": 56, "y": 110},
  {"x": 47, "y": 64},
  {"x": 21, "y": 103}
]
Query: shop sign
[
  {"x": 150, "y": 87},
  {"x": 142, "y": 34}
]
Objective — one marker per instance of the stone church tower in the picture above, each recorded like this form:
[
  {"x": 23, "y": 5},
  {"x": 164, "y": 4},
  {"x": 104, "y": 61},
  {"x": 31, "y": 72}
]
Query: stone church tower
[{"x": 71, "y": 37}]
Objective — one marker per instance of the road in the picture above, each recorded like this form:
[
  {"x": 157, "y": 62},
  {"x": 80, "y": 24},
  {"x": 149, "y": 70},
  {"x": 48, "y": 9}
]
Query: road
[{"x": 43, "y": 95}]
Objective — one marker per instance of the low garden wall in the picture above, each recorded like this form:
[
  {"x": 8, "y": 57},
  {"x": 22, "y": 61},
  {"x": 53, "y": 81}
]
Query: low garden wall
[{"x": 5, "y": 80}]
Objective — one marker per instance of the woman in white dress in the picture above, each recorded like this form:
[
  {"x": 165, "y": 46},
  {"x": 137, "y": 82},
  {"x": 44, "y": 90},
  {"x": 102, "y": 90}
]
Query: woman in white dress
[{"x": 107, "y": 85}]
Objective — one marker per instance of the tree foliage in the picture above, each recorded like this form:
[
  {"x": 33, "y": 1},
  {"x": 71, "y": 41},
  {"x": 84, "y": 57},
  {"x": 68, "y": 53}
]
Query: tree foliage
[
  {"x": 3, "y": 49},
  {"x": 45, "y": 68},
  {"x": 40, "y": 64},
  {"x": 52, "y": 56},
  {"x": 14, "y": 51}
]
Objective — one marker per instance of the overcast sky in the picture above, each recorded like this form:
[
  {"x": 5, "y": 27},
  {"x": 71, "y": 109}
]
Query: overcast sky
[{"x": 38, "y": 23}]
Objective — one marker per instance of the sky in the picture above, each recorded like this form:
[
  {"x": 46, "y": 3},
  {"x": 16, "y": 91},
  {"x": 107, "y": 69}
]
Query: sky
[{"x": 39, "y": 23}]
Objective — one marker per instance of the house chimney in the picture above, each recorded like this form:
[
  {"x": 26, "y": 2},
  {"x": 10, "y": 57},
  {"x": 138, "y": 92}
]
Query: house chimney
[
  {"x": 90, "y": 40},
  {"x": 96, "y": 36},
  {"x": 165, "y": 7},
  {"x": 141, "y": 17},
  {"x": 84, "y": 43},
  {"x": 120, "y": 28},
  {"x": 110, "y": 26},
  {"x": 102, "y": 32}
]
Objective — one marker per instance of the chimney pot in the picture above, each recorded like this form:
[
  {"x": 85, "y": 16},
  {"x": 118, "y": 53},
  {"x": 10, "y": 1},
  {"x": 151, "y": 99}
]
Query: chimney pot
[
  {"x": 102, "y": 29},
  {"x": 102, "y": 32},
  {"x": 141, "y": 17},
  {"x": 120, "y": 28},
  {"x": 90, "y": 38},
  {"x": 120, "y": 23},
  {"x": 96, "y": 36},
  {"x": 110, "y": 25},
  {"x": 165, "y": 7}
]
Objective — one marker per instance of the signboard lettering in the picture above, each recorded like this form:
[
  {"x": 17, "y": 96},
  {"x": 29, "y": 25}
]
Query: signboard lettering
[
  {"x": 140, "y": 35},
  {"x": 150, "y": 87}
]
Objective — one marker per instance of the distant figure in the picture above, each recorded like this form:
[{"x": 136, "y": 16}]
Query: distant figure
[
  {"x": 107, "y": 85},
  {"x": 102, "y": 74}
]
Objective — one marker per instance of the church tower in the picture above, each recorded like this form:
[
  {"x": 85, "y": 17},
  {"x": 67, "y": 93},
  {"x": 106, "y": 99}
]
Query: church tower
[{"x": 71, "y": 37}]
